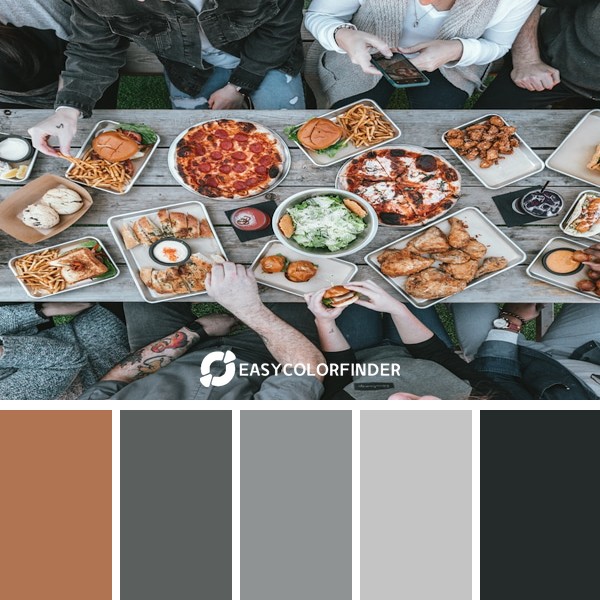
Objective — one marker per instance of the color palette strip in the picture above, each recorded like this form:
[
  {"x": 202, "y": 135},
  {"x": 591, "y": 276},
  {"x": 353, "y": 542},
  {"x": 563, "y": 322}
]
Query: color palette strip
[
  {"x": 56, "y": 505},
  {"x": 415, "y": 511},
  {"x": 176, "y": 505},
  {"x": 296, "y": 505}
]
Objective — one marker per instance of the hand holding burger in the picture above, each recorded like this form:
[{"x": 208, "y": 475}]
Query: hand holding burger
[
  {"x": 376, "y": 298},
  {"x": 329, "y": 303}
]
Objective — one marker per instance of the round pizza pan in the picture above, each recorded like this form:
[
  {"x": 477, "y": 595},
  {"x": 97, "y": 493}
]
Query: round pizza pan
[
  {"x": 340, "y": 180},
  {"x": 285, "y": 167}
]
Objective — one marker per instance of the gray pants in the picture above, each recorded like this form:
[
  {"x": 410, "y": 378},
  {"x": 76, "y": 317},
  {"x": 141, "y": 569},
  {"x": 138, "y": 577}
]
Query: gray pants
[{"x": 575, "y": 325}]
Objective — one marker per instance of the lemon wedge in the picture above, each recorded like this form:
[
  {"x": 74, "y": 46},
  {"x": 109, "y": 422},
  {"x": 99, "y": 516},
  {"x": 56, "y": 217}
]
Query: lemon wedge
[
  {"x": 10, "y": 174},
  {"x": 22, "y": 172}
]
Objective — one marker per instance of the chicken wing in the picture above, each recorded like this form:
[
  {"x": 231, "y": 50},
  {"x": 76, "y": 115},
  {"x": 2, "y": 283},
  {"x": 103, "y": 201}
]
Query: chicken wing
[
  {"x": 432, "y": 283},
  {"x": 404, "y": 262},
  {"x": 491, "y": 264},
  {"x": 432, "y": 240},
  {"x": 454, "y": 256},
  {"x": 459, "y": 234},
  {"x": 464, "y": 271},
  {"x": 474, "y": 249}
]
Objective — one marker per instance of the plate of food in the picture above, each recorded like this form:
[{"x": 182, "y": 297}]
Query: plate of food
[
  {"x": 17, "y": 157},
  {"x": 343, "y": 133},
  {"x": 559, "y": 263},
  {"x": 282, "y": 268},
  {"x": 64, "y": 267},
  {"x": 578, "y": 155},
  {"x": 43, "y": 208},
  {"x": 113, "y": 156},
  {"x": 583, "y": 219},
  {"x": 169, "y": 250},
  {"x": 456, "y": 253},
  {"x": 228, "y": 159},
  {"x": 406, "y": 185},
  {"x": 493, "y": 151},
  {"x": 325, "y": 222}
]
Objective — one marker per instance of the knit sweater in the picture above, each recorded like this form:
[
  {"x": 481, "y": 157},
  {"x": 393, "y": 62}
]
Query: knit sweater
[
  {"x": 333, "y": 77},
  {"x": 44, "y": 365}
]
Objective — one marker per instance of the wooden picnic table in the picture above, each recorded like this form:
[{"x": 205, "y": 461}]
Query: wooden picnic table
[{"x": 542, "y": 130}]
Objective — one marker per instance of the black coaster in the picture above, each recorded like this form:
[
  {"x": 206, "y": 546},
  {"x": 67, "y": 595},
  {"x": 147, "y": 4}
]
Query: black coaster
[
  {"x": 505, "y": 206},
  {"x": 268, "y": 207}
]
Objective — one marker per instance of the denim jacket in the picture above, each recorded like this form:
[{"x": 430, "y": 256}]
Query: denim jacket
[
  {"x": 530, "y": 374},
  {"x": 264, "y": 34}
]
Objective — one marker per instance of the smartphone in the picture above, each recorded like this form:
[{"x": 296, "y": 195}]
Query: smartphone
[{"x": 399, "y": 71}]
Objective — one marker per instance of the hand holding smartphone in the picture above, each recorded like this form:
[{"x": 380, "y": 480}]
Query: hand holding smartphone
[{"x": 399, "y": 71}]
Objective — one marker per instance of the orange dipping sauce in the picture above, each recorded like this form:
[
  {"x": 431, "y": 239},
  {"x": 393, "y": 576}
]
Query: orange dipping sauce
[{"x": 560, "y": 261}]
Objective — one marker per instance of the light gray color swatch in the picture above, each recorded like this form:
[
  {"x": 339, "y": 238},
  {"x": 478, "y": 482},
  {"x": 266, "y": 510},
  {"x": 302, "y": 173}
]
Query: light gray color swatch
[
  {"x": 415, "y": 505},
  {"x": 176, "y": 504},
  {"x": 296, "y": 505}
]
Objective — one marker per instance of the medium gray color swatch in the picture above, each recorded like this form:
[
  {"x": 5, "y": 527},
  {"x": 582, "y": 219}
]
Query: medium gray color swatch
[
  {"x": 175, "y": 505},
  {"x": 415, "y": 505},
  {"x": 296, "y": 505}
]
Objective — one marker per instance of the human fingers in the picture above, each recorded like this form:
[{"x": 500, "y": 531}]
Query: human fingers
[
  {"x": 555, "y": 74},
  {"x": 362, "y": 58},
  {"x": 64, "y": 142},
  {"x": 39, "y": 139},
  {"x": 415, "y": 48},
  {"x": 379, "y": 44}
]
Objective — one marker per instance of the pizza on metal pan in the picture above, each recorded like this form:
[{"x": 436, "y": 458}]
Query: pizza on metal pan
[
  {"x": 405, "y": 186},
  {"x": 226, "y": 158}
]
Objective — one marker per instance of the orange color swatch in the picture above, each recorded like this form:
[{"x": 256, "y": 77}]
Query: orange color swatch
[{"x": 55, "y": 505}]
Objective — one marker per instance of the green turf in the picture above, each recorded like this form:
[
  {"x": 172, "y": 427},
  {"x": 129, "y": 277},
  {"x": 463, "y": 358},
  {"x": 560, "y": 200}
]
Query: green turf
[{"x": 143, "y": 92}]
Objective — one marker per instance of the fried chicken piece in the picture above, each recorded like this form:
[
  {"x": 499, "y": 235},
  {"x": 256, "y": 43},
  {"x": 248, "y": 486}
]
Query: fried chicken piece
[
  {"x": 472, "y": 154},
  {"x": 491, "y": 264},
  {"x": 454, "y": 256},
  {"x": 464, "y": 271},
  {"x": 497, "y": 121},
  {"x": 381, "y": 258},
  {"x": 454, "y": 133},
  {"x": 459, "y": 234},
  {"x": 432, "y": 240},
  {"x": 404, "y": 262},
  {"x": 456, "y": 142},
  {"x": 474, "y": 249},
  {"x": 432, "y": 283}
]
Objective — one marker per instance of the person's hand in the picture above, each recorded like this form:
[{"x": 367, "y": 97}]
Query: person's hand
[
  {"x": 217, "y": 325},
  {"x": 226, "y": 98},
  {"x": 407, "y": 396},
  {"x": 377, "y": 298},
  {"x": 535, "y": 76},
  {"x": 56, "y": 309},
  {"x": 315, "y": 304},
  {"x": 62, "y": 125},
  {"x": 358, "y": 46},
  {"x": 234, "y": 287},
  {"x": 526, "y": 311},
  {"x": 595, "y": 252},
  {"x": 434, "y": 54}
]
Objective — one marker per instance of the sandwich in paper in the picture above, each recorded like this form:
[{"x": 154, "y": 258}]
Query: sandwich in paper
[{"x": 585, "y": 217}]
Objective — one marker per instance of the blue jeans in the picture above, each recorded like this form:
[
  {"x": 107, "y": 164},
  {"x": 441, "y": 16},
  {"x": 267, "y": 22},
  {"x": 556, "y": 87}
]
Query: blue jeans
[
  {"x": 365, "y": 328},
  {"x": 277, "y": 90}
]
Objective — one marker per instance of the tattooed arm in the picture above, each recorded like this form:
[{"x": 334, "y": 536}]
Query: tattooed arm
[{"x": 154, "y": 356}]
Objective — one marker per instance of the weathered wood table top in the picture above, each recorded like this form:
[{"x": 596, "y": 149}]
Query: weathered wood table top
[{"x": 542, "y": 130}]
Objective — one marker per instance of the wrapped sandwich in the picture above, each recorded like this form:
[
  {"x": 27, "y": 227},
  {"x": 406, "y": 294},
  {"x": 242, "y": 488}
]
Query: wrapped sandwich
[
  {"x": 585, "y": 216},
  {"x": 594, "y": 164}
]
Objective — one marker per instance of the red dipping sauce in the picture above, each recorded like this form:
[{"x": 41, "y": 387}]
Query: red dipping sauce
[{"x": 250, "y": 219}]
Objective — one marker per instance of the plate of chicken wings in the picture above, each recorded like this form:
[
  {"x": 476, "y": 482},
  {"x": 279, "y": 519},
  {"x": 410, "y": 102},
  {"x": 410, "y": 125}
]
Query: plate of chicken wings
[
  {"x": 493, "y": 151},
  {"x": 456, "y": 253}
]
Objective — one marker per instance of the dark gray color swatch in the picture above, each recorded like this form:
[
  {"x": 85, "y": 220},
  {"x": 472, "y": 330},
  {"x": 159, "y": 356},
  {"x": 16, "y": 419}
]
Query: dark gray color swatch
[
  {"x": 175, "y": 505},
  {"x": 415, "y": 505},
  {"x": 296, "y": 505}
]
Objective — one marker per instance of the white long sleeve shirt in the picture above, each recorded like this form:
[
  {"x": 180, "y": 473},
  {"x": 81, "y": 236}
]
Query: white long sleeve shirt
[{"x": 324, "y": 16}]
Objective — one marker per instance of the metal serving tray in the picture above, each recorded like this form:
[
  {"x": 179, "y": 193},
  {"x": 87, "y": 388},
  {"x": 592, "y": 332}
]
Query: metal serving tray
[
  {"x": 577, "y": 149},
  {"x": 330, "y": 272},
  {"x": 138, "y": 164},
  {"x": 480, "y": 227},
  {"x": 66, "y": 246},
  {"x": 536, "y": 269},
  {"x": 522, "y": 163},
  {"x": 350, "y": 150},
  {"x": 139, "y": 257}
]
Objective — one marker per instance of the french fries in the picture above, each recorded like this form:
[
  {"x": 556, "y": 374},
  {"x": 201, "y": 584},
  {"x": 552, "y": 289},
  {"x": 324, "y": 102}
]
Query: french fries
[
  {"x": 98, "y": 172},
  {"x": 365, "y": 126},
  {"x": 38, "y": 275}
]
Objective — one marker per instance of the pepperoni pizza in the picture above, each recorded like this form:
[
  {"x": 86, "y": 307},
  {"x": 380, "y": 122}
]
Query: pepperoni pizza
[
  {"x": 405, "y": 185},
  {"x": 232, "y": 159}
]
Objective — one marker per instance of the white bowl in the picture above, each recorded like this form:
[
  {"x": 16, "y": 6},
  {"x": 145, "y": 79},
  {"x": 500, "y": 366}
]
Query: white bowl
[{"x": 361, "y": 240}]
